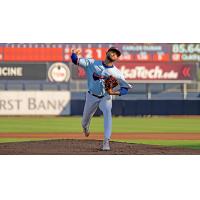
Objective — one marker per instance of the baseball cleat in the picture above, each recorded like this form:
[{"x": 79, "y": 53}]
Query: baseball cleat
[
  {"x": 106, "y": 145},
  {"x": 86, "y": 132}
]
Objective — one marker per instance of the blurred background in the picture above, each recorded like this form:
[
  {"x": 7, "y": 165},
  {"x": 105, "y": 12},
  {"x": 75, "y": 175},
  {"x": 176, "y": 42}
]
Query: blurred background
[{"x": 39, "y": 79}]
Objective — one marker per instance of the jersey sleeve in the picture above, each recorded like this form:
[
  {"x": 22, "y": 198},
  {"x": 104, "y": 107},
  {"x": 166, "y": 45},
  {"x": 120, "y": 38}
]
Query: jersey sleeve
[
  {"x": 85, "y": 62},
  {"x": 124, "y": 83}
]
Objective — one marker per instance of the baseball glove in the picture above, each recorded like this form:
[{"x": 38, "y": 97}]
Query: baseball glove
[{"x": 110, "y": 83}]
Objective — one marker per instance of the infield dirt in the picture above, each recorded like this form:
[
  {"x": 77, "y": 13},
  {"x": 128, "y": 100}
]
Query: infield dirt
[
  {"x": 99, "y": 136},
  {"x": 88, "y": 147}
]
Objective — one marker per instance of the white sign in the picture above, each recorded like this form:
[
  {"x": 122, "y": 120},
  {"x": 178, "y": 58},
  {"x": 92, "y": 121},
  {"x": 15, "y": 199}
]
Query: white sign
[
  {"x": 59, "y": 72},
  {"x": 35, "y": 102},
  {"x": 11, "y": 71}
]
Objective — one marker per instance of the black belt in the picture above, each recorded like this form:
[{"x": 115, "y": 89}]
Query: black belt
[{"x": 96, "y": 95}]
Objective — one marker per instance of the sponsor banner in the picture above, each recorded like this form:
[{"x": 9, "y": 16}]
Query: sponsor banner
[
  {"x": 59, "y": 72},
  {"x": 149, "y": 71},
  {"x": 78, "y": 73},
  {"x": 35, "y": 102},
  {"x": 158, "y": 71},
  {"x": 23, "y": 71}
]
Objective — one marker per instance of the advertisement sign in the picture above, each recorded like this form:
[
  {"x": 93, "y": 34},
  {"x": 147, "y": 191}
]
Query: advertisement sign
[
  {"x": 78, "y": 73},
  {"x": 59, "y": 72},
  {"x": 165, "y": 72},
  {"x": 23, "y": 71},
  {"x": 158, "y": 71},
  {"x": 35, "y": 102}
]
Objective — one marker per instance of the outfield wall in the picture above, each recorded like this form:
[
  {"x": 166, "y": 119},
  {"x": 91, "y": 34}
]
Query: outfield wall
[
  {"x": 59, "y": 103},
  {"x": 40, "y": 79},
  {"x": 145, "y": 107}
]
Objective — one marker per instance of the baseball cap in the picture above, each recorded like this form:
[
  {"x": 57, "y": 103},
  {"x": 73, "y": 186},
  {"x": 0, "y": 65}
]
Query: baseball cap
[{"x": 115, "y": 50}]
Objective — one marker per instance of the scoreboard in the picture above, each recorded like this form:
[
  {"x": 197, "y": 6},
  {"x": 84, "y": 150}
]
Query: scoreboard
[
  {"x": 185, "y": 52},
  {"x": 131, "y": 52},
  {"x": 139, "y": 61}
]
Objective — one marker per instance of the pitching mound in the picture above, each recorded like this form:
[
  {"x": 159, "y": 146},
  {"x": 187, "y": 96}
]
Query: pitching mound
[{"x": 87, "y": 147}]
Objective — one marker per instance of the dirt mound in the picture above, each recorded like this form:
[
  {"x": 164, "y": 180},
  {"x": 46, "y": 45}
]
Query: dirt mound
[
  {"x": 88, "y": 147},
  {"x": 99, "y": 136}
]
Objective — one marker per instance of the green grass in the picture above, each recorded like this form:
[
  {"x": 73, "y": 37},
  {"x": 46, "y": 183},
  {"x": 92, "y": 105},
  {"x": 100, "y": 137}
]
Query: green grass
[
  {"x": 120, "y": 124},
  {"x": 192, "y": 144},
  {"x": 5, "y": 140}
]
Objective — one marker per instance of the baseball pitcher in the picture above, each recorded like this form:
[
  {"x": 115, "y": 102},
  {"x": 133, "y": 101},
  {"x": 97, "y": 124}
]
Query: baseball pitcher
[{"x": 102, "y": 77}]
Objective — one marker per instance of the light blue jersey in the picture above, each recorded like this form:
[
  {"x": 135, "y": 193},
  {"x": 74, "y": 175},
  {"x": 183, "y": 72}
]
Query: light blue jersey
[{"x": 97, "y": 87}]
